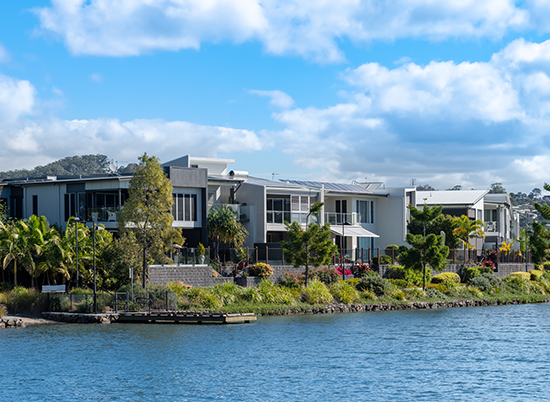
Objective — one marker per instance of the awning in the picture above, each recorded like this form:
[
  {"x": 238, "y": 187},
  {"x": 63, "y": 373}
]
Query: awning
[{"x": 351, "y": 231}]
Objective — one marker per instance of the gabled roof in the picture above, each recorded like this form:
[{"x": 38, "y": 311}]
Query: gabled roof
[{"x": 467, "y": 197}]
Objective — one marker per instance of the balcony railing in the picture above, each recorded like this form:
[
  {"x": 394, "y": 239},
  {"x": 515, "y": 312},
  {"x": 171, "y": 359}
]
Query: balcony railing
[
  {"x": 241, "y": 212},
  {"x": 337, "y": 218},
  {"x": 287, "y": 216},
  {"x": 102, "y": 214},
  {"x": 491, "y": 227}
]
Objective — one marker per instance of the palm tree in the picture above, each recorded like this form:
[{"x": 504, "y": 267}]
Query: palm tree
[
  {"x": 224, "y": 228},
  {"x": 15, "y": 247},
  {"x": 466, "y": 229}
]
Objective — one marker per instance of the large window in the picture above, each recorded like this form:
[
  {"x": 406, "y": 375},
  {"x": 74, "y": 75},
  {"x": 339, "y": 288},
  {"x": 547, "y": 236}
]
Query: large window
[
  {"x": 490, "y": 215},
  {"x": 278, "y": 209},
  {"x": 366, "y": 209},
  {"x": 184, "y": 207}
]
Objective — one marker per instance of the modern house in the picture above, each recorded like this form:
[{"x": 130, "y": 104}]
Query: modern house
[{"x": 495, "y": 210}]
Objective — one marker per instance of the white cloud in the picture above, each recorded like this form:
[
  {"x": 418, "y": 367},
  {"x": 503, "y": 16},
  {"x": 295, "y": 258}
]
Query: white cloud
[
  {"x": 278, "y": 98},
  {"x": 17, "y": 98},
  {"x": 308, "y": 28},
  {"x": 29, "y": 143},
  {"x": 443, "y": 123}
]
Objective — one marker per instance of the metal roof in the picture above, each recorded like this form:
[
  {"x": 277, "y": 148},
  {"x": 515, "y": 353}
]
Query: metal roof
[
  {"x": 467, "y": 197},
  {"x": 343, "y": 187}
]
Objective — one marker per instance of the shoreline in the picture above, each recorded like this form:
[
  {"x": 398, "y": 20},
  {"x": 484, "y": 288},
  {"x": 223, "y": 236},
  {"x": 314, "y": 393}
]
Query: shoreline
[{"x": 49, "y": 318}]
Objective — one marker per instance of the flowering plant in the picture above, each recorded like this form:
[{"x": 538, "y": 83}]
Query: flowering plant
[{"x": 347, "y": 271}]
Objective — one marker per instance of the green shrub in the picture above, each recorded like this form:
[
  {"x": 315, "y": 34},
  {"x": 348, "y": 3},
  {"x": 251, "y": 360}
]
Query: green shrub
[
  {"x": 275, "y": 294},
  {"x": 326, "y": 275},
  {"x": 432, "y": 293},
  {"x": 344, "y": 292},
  {"x": 384, "y": 260},
  {"x": 485, "y": 270},
  {"x": 415, "y": 293},
  {"x": 469, "y": 273},
  {"x": 412, "y": 276},
  {"x": 291, "y": 281},
  {"x": 524, "y": 275},
  {"x": 535, "y": 274},
  {"x": 319, "y": 293},
  {"x": 227, "y": 293},
  {"x": 3, "y": 310},
  {"x": 353, "y": 282},
  {"x": 399, "y": 283},
  {"x": 474, "y": 291},
  {"x": 250, "y": 295},
  {"x": 368, "y": 295},
  {"x": 201, "y": 298},
  {"x": 519, "y": 284},
  {"x": 546, "y": 265},
  {"x": 20, "y": 299},
  {"x": 485, "y": 282},
  {"x": 446, "y": 277},
  {"x": 397, "y": 294},
  {"x": 260, "y": 269},
  {"x": 376, "y": 284}
]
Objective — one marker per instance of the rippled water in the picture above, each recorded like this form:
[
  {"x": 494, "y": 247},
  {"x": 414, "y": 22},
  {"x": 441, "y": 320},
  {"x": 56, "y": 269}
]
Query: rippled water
[{"x": 470, "y": 354}]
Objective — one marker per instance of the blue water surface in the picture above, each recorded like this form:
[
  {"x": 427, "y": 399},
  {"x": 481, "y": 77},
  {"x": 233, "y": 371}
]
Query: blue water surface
[{"x": 470, "y": 354}]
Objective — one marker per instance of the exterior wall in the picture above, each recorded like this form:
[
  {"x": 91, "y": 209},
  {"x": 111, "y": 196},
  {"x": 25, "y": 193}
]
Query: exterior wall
[
  {"x": 255, "y": 197},
  {"x": 197, "y": 276},
  {"x": 392, "y": 222},
  {"x": 49, "y": 199}
]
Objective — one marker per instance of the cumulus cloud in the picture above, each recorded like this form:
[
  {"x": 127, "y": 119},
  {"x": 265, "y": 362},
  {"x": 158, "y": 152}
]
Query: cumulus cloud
[
  {"x": 306, "y": 28},
  {"x": 17, "y": 98},
  {"x": 278, "y": 98},
  {"x": 438, "y": 123},
  {"x": 29, "y": 143}
]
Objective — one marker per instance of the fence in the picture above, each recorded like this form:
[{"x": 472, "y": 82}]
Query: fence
[
  {"x": 276, "y": 256},
  {"x": 106, "y": 302}
]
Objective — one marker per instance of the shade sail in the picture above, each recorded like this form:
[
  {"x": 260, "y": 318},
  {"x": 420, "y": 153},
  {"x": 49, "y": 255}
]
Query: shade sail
[{"x": 352, "y": 231}]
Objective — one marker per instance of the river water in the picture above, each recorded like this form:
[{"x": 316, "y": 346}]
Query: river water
[{"x": 470, "y": 354}]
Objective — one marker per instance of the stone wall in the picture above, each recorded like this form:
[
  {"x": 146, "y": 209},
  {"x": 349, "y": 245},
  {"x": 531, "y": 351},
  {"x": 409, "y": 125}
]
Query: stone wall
[
  {"x": 196, "y": 276},
  {"x": 504, "y": 269}
]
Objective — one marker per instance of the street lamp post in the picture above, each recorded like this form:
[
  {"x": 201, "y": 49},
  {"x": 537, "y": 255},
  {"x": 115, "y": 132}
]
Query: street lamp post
[
  {"x": 94, "y": 228},
  {"x": 76, "y": 220}
]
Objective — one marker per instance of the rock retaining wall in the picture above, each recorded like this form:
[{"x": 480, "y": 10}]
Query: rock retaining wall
[
  {"x": 11, "y": 322},
  {"x": 81, "y": 318}
]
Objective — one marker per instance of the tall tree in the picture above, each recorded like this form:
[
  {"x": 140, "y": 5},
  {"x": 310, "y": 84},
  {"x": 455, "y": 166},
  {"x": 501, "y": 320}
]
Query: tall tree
[
  {"x": 147, "y": 210},
  {"x": 544, "y": 209},
  {"x": 496, "y": 188},
  {"x": 539, "y": 242},
  {"x": 224, "y": 228},
  {"x": 443, "y": 223},
  {"x": 429, "y": 250},
  {"x": 466, "y": 229},
  {"x": 310, "y": 246},
  {"x": 425, "y": 215}
]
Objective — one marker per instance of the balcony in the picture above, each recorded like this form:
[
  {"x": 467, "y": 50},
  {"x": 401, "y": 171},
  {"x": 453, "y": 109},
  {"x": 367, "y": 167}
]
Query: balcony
[
  {"x": 491, "y": 227},
  {"x": 102, "y": 214},
  {"x": 338, "y": 218},
  {"x": 287, "y": 216},
  {"x": 241, "y": 212}
]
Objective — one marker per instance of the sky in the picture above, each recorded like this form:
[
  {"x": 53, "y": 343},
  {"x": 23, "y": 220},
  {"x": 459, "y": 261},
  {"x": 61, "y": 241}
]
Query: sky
[{"x": 439, "y": 92}]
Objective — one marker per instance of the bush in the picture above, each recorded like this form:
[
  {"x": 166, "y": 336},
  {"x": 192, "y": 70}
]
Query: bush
[
  {"x": 291, "y": 281},
  {"x": 318, "y": 292},
  {"x": 344, "y": 292},
  {"x": 519, "y": 284},
  {"x": 275, "y": 294},
  {"x": 446, "y": 277},
  {"x": 399, "y": 283},
  {"x": 376, "y": 284},
  {"x": 384, "y": 260},
  {"x": 524, "y": 275},
  {"x": 485, "y": 282},
  {"x": 485, "y": 270},
  {"x": 535, "y": 274},
  {"x": 3, "y": 310},
  {"x": 546, "y": 265},
  {"x": 20, "y": 299},
  {"x": 326, "y": 275},
  {"x": 415, "y": 293},
  {"x": 359, "y": 270},
  {"x": 469, "y": 273},
  {"x": 260, "y": 269},
  {"x": 412, "y": 276},
  {"x": 432, "y": 293}
]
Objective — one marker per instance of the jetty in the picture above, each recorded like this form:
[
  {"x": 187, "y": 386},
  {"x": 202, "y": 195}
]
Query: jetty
[{"x": 182, "y": 317}]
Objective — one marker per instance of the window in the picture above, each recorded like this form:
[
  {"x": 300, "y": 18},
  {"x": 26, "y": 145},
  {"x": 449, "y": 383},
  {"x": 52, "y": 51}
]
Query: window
[
  {"x": 278, "y": 209},
  {"x": 366, "y": 209},
  {"x": 490, "y": 215},
  {"x": 35, "y": 205},
  {"x": 184, "y": 207}
]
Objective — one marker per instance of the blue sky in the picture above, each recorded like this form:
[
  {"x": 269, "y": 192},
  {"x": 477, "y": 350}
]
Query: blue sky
[{"x": 447, "y": 93}]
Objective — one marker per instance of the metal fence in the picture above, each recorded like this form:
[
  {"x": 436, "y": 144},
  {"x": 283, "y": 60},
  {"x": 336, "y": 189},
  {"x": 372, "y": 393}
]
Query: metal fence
[{"x": 109, "y": 302}]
